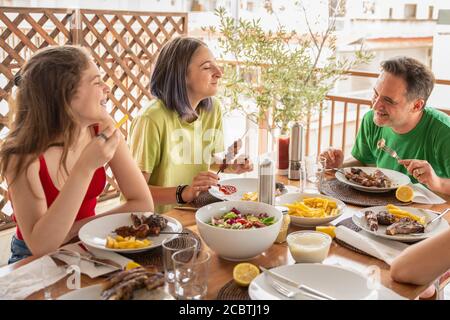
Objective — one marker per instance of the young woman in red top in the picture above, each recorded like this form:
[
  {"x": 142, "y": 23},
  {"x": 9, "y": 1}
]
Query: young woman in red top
[{"x": 54, "y": 156}]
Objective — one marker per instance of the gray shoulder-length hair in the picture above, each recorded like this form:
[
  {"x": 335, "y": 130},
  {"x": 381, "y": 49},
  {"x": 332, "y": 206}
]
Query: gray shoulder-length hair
[{"x": 168, "y": 81}]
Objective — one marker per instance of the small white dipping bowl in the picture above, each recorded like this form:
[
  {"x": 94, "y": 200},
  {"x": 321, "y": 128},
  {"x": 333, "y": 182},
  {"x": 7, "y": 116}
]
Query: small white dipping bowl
[{"x": 309, "y": 246}]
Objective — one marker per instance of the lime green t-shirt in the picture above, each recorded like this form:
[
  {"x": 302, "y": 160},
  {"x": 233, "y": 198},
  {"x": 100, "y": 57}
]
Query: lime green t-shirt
[
  {"x": 172, "y": 150},
  {"x": 429, "y": 140}
]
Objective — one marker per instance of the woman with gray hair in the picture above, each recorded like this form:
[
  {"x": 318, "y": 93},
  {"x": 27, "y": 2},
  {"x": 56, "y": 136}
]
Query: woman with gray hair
[{"x": 175, "y": 138}]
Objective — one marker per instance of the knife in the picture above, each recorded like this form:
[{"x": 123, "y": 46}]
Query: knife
[
  {"x": 291, "y": 283},
  {"x": 94, "y": 261}
]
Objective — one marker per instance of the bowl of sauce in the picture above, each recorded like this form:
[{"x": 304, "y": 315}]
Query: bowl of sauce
[{"x": 308, "y": 246}]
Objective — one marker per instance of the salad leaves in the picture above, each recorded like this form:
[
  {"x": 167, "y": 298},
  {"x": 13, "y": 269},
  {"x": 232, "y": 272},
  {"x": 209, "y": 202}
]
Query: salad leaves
[{"x": 237, "y": 220}]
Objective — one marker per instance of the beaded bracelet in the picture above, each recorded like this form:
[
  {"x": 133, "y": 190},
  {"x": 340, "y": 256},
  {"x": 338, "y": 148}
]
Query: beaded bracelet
[{"x": 178, "y": 193}]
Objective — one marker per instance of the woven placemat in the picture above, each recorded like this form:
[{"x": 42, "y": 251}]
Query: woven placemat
[
  {"x": 231, "y": 291},
  {"x": 348, "y": 223},
  {"x": 203, "y": 199},
  {"x": 335, "y": 188},
  {"x": 154, "y": 257}
]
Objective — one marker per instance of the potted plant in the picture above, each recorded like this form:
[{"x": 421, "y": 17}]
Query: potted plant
[{"x": 276, "y": 77}]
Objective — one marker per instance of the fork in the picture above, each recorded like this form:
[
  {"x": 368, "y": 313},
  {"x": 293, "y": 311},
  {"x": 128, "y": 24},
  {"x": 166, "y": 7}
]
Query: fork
[
  {"x": 438, "y": 217},
  {"x": 382, "y": 145},
  {"x": 89, "y": 257},
  {"x": 291, "y": 294},
  {"x": 340, "y": 170},
  {"x": 231, "y": 155}
]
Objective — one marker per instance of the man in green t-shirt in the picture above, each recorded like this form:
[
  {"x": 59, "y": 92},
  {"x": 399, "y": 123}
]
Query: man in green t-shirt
[{"x": 420, "y": 135}]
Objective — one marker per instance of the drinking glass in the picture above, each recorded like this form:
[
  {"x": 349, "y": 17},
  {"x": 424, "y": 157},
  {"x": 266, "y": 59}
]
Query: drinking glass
[
  {"x": 315, "y": 170},
  {"x": 169, "y": 247},
  {"x": 191, "y": 273}
]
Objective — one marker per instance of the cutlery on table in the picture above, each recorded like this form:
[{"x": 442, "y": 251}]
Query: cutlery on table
[
  {"x": 186, "y": 208},
  {"x": 291, "y": 293},
  {"x": 438, "y": 217},
  {"x": 87, "y": 256},
  {"x": 301, "y": 287},
  {"x": 340, "y": 170},
  {"x": 172, "y": 232}
]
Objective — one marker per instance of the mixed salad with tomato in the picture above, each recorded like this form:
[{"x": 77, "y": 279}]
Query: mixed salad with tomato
[{"x": 237, "y": 220}]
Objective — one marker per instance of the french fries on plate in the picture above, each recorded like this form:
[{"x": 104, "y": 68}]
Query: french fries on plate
[
  {"x": 313, "y": 208},
  {"x": 400, "y": 213},
  {"x": 120, "y": 242}
]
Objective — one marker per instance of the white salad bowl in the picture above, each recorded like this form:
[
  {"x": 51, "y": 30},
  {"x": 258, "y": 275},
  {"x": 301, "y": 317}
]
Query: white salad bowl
[{"x": 238, "y": 244}]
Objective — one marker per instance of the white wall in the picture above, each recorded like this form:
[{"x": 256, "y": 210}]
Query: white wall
[{"x": 355, "y": 8}]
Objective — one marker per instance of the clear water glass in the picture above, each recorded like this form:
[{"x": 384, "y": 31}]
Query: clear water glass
[
  {"x": 191, "y": 274},
  {"x": 172, "y": 245}
]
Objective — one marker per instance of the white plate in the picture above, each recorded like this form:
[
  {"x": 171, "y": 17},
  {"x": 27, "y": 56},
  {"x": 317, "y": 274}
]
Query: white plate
[
  {"x": 94, "y": 233},
  {"x": 338, "y": 282},
  {"x": 94, "y": 293},
  {"x": 436, "y": 227},
  {"x": 242, "y": 185},
  {"x": 309, "y": 222},
  {"x": 397, "y": 178}
]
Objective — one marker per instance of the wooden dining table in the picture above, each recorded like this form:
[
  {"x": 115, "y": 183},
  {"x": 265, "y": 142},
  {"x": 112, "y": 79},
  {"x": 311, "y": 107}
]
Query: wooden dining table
[{"x": 221, "y": 271}]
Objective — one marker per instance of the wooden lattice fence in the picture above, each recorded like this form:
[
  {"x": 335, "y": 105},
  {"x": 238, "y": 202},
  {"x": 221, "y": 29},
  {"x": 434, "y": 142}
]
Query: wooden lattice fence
[{"x": 124, "y": 45}]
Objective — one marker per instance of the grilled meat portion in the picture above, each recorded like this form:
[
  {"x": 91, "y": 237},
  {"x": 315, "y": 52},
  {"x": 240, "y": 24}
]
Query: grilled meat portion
[
  {"x": 385, "y": 218},
  {"x": 143, "y": 227},
  {"x": 156, "y": 220},
  {"x": 372, "y": 220},
  {"x": 137, "y": 221},
  {"x": 376, "y": 179},
  {"x": 122, "y": 285},
  {"x": 125, "y": 231},
  {"x": 405, "y": 226}
]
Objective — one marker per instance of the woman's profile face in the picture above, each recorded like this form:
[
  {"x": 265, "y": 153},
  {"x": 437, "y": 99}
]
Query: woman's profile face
[
  {"x": 89, "y": 101},
  {"x": 203, "y": 75}
]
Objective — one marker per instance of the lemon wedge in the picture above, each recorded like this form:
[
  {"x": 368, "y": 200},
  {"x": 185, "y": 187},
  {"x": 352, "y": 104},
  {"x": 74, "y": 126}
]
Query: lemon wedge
[
  {"x": 404, "y": 193},
  {"x": 131, "y": 265},
  {"x": 329, "y": 230},
  {"x": 244, "y": 273}
]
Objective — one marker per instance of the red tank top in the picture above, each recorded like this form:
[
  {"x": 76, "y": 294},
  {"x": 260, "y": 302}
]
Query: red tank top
[{"x": 87, "y": 208}]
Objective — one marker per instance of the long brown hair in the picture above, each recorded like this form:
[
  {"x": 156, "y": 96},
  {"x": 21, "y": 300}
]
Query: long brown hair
[{"x": 41, "y": 113}]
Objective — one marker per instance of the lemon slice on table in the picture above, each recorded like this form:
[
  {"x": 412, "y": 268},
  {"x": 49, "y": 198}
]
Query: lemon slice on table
[
  {"x": 131, "y": 265},
  {"x": 244, "y": 273},
  {"x": 404, "y": 193},
  {"x": 329, "y": 230}
]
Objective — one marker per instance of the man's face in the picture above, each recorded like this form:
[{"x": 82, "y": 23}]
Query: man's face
[{"x": 390, "y": 104}]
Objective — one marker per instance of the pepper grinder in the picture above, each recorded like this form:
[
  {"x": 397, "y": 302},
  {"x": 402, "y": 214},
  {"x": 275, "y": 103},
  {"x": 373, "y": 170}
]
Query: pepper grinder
[
  {"x": 296, "y": 152},
  {"x": 266, "y": 182}
]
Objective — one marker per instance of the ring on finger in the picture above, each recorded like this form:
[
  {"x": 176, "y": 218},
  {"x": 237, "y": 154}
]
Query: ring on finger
[{"x": 102, "y": 135}]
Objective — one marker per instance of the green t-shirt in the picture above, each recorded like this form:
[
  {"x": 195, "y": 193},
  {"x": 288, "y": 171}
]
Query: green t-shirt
[
  {"x": 172, "y": 150},
  {"x": 429, "y": 140}
]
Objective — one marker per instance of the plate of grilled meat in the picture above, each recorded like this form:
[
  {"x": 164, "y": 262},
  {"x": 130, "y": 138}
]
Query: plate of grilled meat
[
  {"x": 135, "y": 284},
  {"x": 371, "y": 179},
  {"x": 403, "y": 224},
  {"x": 125, "y": 232}
]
